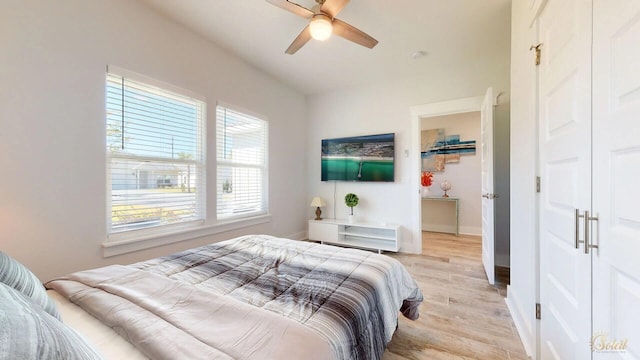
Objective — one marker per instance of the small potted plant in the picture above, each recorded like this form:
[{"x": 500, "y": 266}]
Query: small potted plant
[{"x": 351, "y": 200}]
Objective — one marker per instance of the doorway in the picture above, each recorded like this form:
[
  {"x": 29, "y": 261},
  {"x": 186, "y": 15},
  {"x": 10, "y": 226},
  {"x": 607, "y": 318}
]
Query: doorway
[
  {"x": 461, "y": 211},
  {"x": 459, "y": 106},
  {"x": 501, "y": 131}
]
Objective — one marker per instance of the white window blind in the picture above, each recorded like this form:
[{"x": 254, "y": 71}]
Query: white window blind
[
  {"x": 241, "y": 164},
  {"x": 155, "y": 153}
]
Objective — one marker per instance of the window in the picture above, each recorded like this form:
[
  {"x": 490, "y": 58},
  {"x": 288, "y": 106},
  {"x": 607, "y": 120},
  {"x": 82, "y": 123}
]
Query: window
[
  {"x": 155, "y": 153},
  {"x": 242, "y": 164}
]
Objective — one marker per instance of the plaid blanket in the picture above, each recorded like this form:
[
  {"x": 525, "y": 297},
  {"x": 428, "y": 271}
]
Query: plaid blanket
[{"x": 350, "y": 297}]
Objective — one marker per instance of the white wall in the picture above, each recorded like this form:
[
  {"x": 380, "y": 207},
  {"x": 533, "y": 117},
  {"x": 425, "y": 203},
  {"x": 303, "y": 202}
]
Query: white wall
[
  {"x": 384, "y": 108},
  {"x": 522, "y": 294},
  {"x": 52, "y": 137},
  {"x": 464, "y": 178},
  {"x": 52, "y": 65}
]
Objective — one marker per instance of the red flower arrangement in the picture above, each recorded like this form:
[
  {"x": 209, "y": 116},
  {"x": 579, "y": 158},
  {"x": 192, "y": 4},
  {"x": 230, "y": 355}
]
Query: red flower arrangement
[{"x": 427, "y": 178}]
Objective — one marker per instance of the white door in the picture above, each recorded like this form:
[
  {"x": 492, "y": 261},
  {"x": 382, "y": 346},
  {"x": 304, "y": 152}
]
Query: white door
[
  {"x": 616, "y": 171},
  {"x": 565, "y": 170},
  {"x": 486, "y": 144}
]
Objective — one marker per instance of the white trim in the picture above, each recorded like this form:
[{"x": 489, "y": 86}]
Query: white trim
[
  {"x": 302, "y": 235},
  {"x": 471, "y": 230},
  {"x": 451, "y": 229},
  {"x": 240, "y": 109},
  {"x": 457, "y": 106},
  {"x": 264, "y": 167},
  {"x": 164, "y": 90},
  {"x": 535, "y": 9},
  {"x": 115, "y": 70},
  {"x": 524, "y": 327},
  {"x": 112, "y": 248}
]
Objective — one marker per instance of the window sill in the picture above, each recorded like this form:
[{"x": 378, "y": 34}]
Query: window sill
[{"x": 125, "y": 244}]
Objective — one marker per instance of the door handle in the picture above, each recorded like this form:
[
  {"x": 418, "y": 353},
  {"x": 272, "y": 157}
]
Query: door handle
[
  {"x": 485, "y": 195},
  {"x": 577, "y": 234},
  {"x": 586, "y": 240},
  {"x": 587, "y": 245},
  {"x": 490, "y": 196}
]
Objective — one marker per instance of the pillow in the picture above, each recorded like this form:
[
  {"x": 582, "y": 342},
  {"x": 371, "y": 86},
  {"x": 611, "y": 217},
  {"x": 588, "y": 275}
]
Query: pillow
[
  {"x": 17, "y": 276},
  {"x": 30, "y": 333}
]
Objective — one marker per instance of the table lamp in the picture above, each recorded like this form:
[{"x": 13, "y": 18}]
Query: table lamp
[{"x": 318, "y": 202}]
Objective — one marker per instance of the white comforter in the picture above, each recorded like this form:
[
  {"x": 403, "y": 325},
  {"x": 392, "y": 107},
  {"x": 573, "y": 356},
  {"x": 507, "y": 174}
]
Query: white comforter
[{"x": 252, "y": 298}]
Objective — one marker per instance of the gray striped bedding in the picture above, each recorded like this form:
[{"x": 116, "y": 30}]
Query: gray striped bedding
[
  {"x": 16, "y": 275},
  {"x": 351, "y": 298},
  {"x": 27, "y": 332}
]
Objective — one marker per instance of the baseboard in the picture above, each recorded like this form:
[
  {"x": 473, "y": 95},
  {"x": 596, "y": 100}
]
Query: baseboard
[
  {"x": 439, "y": 228},
  {"x": 471, "y": 230},
  {"x": 451, "y": 229},
  {"x": 524, "y": 328},
  {"x": 302, "y": 235}
]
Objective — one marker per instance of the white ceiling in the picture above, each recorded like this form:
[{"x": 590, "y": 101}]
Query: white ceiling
[{"x": 450, "y": 32}]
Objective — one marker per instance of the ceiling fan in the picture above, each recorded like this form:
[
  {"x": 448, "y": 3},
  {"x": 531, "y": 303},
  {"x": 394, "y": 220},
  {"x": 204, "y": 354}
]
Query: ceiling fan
[{"x": 322, "y": 23}]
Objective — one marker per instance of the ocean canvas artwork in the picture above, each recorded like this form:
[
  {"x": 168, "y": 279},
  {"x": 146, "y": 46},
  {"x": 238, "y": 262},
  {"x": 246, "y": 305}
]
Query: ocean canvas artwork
[
  {"x": 437, "y": 149},
  {"x": 359, "y": 158}
]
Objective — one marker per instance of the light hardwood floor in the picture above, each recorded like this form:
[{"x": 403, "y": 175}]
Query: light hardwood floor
[{"x": 462, "y": 316}]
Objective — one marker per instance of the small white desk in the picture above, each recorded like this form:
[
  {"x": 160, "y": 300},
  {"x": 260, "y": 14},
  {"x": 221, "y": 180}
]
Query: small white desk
[{"x": 450, "y": 199}]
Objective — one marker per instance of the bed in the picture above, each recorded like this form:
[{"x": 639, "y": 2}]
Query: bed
[{"x": 252, "y": 297}]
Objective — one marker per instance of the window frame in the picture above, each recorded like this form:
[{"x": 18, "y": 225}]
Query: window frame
[
  {"x": 265, "y": 211},
  {"x": 135, "y": 240},
  {"x": 128, "y": 236}
]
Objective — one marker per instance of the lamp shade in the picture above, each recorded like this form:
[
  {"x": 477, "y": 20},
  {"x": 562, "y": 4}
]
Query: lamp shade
[
  {"x": 318, "y": 202},
  {"x": 320, "y": 27}
]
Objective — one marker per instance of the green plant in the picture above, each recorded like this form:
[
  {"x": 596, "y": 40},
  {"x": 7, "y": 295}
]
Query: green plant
[{"x": 351, "y": 200}]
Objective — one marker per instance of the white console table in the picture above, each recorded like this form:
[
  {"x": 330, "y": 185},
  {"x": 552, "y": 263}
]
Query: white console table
[
  {"x": 448, "y": 199},
  {"x": 358, "y": 234}
]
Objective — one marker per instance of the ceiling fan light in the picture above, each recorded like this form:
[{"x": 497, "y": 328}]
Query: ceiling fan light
[{"x": 320, "y": 27}]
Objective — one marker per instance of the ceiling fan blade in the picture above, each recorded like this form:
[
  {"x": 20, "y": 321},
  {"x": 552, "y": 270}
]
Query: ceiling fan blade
[
  {"x": 333, "y": 7},
  {"x": 350, "y": 33},
  {"x": 299, "y": 41},
  {"x": 293, "y": 7}
]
